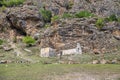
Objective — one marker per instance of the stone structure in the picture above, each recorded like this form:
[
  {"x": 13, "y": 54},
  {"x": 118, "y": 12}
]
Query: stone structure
[
  {"x": 79, "y": 49},
  {"x": 47, "y": 52},
  {"x": 50, "y": 52},
  {"x": 76, "y": 50}
]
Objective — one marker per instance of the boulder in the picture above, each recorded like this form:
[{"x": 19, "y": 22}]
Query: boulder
[
  {"x": 6, "y": 48},
  {"x": 26, "y": 19},
  {"x": 1, "y": 46},
  {"x": 103, "y": 61},
  {"x": 96, "y": 51},
  {"x": 114, "y": 61},
  {"x": 3, "y": 61},
  {"x": 2, "y": 55},
  {"x": 27, "y": 50},
  {"x": 95, "y": 62},
  {"x": 36, "y": 36}
]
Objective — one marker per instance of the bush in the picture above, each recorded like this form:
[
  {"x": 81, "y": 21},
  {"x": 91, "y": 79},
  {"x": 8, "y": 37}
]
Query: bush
[
  {"x": 28, "y": 40},
  {"x": 67, "y": 15},
  {"x": 119, "y": 19},
  {"x": 112, "y": 17},
  {"x": 3, "y": 8},
  {"x": 1, "y": 3},
  {"x": 1, "y": 42},
  {"x": 10, "y": 3},
  {"x": 100, "y": 23},
  {"x": 46, "y": 15},
  {"x": 83, "y": 14},
  {"x": 47, "y": 25},
  {"x": 55, "y": 18}
]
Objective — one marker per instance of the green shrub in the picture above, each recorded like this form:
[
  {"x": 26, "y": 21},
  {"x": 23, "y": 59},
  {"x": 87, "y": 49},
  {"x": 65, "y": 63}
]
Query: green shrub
[
  {"x": 28, "y": 40},
  {"x": 111, "y": 18},
  {"x": 55, "y": 18},
  {"x": 46, "y": 15},
  {"x": 10, "y": 3},
  {"x": 1, "y": 2},
  {"x": 67, "y": 15},
  {"x": 1, "y": 41},
  {"x": 47, "y": 25},
  {"x": 118, "y": 19},
  {"x": 3, "y": 8},
  {"x": 82, "y": 14},
  {"x": 100, "y": 23}
]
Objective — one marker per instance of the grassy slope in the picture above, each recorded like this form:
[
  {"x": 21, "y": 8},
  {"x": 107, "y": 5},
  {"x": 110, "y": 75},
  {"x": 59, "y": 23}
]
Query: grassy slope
[
  {"x": 40, "y": 71},
  {"x": 49, "y": 71}
]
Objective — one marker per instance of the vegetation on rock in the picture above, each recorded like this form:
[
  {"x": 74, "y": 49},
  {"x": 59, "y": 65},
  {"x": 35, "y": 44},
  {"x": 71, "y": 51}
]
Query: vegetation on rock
[
  {"x": 10, "y": 3},
  {"x": 100, "y": 23},
  {"x": 1, "y": 41},
  {"x": 3, "y": 8},
  {"x": 82, "y": 14},
  {"x": 28, "y": 40},
  {"x": 47, "y": 25},
  {"x": 67, "y": 15},
  {"x": 46, "y": 15},
  {"x": 112, "y": 17},
  {"x": 55, "y": 18},
  {"x": 119, "y": 19}
]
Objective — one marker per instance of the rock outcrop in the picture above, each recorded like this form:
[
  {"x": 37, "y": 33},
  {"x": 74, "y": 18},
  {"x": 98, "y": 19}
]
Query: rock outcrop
[
  {"x": 83, "y": 31},
  {"x": 99, "y": 7},
  {"x": 4, "y": 26},
  {"x": 26, "y": 19}
]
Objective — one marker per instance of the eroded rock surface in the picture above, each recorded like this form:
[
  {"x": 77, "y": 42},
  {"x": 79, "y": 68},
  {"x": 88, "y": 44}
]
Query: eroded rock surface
[
  {"x": 26, "y": 18},
  {"x": 75, "y": 30}
]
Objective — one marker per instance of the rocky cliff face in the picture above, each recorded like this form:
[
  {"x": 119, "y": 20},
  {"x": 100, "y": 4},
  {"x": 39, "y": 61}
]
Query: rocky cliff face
[
  {"x": 26, "y": 20},
  {"x": 83, "y": 31},
  {"x": 99, "y": 7}
]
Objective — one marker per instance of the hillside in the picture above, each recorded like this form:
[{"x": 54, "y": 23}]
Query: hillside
[
  {"x": 95, "y": 24},
  {"x": 59, "y": 39}
]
